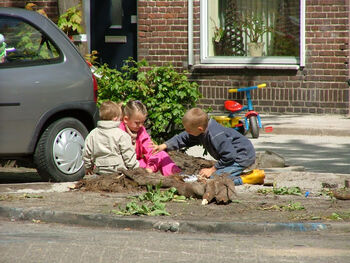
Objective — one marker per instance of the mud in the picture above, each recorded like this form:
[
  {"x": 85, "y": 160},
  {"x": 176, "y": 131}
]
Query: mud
[
  {"x": 121, "y": 184},
  {"x": 248, "y": 206},
  {"x": 220, "y": 189},
  {"x": 108, "y": 193},
  {"x": 114, "y": 183}
]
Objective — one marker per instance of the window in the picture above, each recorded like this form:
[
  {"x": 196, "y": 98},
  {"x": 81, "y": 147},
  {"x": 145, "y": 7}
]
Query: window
[
  {"x": 23, "y": 44},
  {"x": 116, "y": 14},
  {"x": 252, "y": 32}
]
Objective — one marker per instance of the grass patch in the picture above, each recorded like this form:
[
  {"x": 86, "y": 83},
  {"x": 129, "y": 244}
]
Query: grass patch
[
  {"x": 151, "y": 203},
  {"x": 292, "y": 206},
  {"x": 295, "y": 190},
  {"x": 339, "y": 216}
]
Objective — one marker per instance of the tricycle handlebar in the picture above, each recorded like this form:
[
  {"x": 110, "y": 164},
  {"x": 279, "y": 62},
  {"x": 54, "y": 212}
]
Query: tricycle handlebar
[{"x": 247, "y": 88}]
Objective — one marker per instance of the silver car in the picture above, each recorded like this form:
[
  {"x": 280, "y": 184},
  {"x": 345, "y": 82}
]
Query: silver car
[{"x": 47, "y": 95}]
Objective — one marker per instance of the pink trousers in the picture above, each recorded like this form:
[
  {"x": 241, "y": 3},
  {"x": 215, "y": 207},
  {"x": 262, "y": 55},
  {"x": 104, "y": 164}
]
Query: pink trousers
[{"x": 161, "y": 162}]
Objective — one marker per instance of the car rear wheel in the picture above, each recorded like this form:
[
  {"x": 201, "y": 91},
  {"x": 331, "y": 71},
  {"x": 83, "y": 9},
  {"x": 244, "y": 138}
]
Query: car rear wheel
[{"x": 58, "y": 155}]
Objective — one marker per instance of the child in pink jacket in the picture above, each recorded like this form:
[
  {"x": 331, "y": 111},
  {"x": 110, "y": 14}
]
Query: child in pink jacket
[{"x": 135, "y": 114}]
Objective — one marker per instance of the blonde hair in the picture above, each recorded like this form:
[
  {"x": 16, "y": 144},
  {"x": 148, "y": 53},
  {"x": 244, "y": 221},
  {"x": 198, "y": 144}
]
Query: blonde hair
[
  {"x": 109, "y": 110},
  {"x": 133, "y": 106},
  {"x": 195, "y": 118}
]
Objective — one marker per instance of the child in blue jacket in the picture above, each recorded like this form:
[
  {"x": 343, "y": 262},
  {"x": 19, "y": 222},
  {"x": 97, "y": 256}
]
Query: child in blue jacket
[{"x": 233, "y": 151}]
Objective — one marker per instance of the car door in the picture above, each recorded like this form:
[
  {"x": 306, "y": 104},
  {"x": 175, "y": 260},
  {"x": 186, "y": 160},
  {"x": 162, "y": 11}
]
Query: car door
[{"x": 26, "y": 79}]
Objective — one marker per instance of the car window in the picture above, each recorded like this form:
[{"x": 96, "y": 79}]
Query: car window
[{"x": 23, "y": 44}]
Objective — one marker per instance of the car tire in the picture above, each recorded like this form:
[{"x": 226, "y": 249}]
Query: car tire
[{"x": 58, "y": 155}]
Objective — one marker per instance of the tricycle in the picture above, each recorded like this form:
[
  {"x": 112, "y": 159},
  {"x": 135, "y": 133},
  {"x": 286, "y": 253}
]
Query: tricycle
[{"x": 252, "y": 121}]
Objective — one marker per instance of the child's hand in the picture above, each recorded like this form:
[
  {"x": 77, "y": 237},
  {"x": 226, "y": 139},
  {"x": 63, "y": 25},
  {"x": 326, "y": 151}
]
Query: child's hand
[
  {"x": 149, "y": 170},
  {"x": 207, "y": 172},
  {"x": 158, "y": 148}
]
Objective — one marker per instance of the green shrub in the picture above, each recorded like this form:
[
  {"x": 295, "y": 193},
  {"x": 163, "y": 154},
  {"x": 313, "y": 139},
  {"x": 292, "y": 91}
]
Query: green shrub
[
  {"x": 166, "y": 93},
  {"x": 70, "y": 22}
]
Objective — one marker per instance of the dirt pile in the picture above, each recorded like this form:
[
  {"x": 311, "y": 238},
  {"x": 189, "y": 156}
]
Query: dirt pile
[
  {"x": 131, "y": 181},
  {"x": 219, "y": 189},
  {"x": 138, "y": 178},
  {"x": 114, "y": 183}
]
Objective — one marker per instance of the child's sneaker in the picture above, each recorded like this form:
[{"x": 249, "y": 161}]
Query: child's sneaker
[{"x": 254, "y": 177}]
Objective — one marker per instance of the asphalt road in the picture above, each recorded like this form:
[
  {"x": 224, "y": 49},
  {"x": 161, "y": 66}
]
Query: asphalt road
[
  {"x": 323, "y": 154},
  {"x": 38, "y": 242}
]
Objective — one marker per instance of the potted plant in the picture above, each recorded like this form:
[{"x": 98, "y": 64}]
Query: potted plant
[
  {"x": 227, "y": 41},
  {"x": 254, "y": 27},
  {"x": 218, "y": 38},
  {"x": 70, "y": 21}
]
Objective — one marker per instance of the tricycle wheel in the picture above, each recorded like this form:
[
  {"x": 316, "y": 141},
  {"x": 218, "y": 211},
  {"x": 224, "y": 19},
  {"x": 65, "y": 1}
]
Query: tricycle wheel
[
  {"x": 241, "y": 128},
  {"x": 254, "y": 126}
]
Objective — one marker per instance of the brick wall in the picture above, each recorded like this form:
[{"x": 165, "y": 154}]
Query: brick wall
[
  {"x": 321, "y": 87},
  {"x": 162, "y": 32},
  {"x": 50, "y": 6}
]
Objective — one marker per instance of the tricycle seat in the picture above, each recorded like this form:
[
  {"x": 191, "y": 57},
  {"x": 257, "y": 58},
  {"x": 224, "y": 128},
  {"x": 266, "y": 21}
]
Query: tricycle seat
[{"x": 233, "y": 106}]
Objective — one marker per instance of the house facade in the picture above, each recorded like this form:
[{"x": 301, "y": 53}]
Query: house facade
[
  {"x": 309, "y": 74},
  {"x": 304, "y": 60}
]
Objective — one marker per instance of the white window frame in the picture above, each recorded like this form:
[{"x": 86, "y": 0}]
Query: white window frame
[{"x": 266, "y": 61}]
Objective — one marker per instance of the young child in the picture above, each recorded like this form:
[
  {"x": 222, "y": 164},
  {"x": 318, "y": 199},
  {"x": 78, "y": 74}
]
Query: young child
[
  {"x": 233, "y": 151},
  {"x": 107, "y": 148},
  {"x": 135, "y": 114}
]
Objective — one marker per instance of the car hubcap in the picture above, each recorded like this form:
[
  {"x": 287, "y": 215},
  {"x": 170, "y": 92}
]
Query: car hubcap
[{"x": 67, "y": 151}]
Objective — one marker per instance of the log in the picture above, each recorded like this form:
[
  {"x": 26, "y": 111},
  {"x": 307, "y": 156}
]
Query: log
[
  {"x": 220, "y": 188},
  {"x": 141, "y": 177}
]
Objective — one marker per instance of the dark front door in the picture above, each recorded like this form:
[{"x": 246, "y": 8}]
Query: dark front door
[{"x": 114, "y": 30}]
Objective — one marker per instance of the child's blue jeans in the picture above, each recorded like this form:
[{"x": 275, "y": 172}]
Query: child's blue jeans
[{"x": 235, "y": 171}]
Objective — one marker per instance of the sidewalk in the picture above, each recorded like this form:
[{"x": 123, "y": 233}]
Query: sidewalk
[
  {"x": 307, "y": 124},
  {"x": 250, "y": 213}
]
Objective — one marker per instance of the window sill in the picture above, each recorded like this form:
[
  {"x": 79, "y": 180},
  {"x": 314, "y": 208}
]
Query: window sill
[{"x": 246, "y": 66}]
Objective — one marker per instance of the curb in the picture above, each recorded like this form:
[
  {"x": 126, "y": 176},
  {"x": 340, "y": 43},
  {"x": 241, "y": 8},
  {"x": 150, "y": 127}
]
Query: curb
[{"x": 101, "y": 220}]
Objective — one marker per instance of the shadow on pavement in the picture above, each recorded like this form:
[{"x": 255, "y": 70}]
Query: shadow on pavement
[
  {"x": 323, "y": 158},
  {"x": 17, "y": 175}
]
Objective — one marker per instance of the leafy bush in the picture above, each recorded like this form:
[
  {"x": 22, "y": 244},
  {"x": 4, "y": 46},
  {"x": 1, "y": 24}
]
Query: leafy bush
[
  {"x": 70, "y": 22},
  {"x": 166, "y": 93}
]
